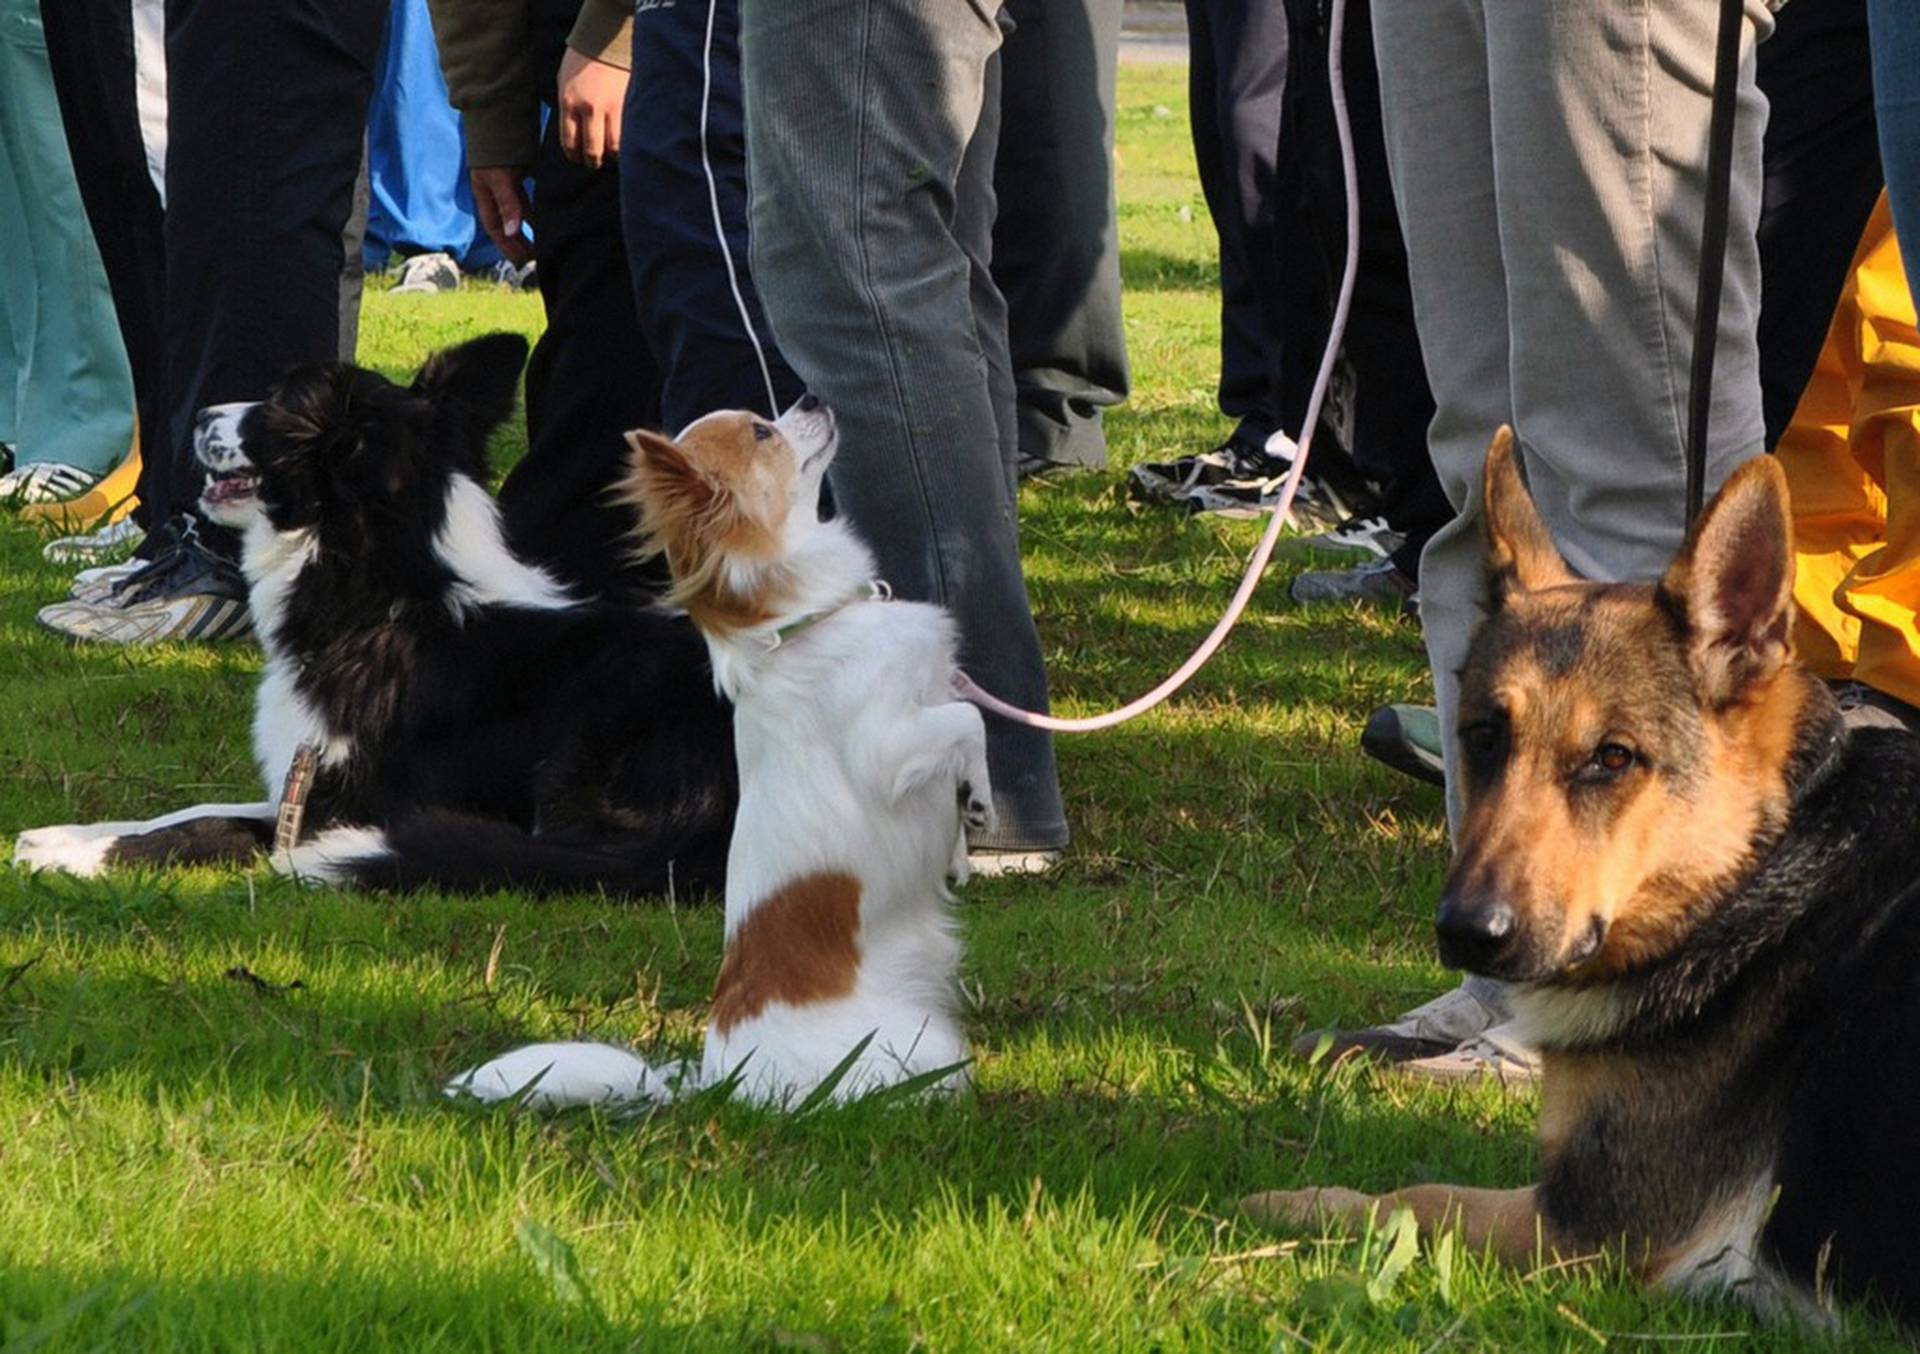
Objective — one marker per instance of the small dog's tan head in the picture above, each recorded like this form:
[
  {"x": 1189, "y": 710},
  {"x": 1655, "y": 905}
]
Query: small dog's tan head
[
  {"x": 724, "y": 501},
  {"x": 1623, "y": 748}
]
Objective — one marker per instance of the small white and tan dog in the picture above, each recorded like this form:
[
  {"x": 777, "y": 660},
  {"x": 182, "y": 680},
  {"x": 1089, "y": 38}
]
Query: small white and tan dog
[{"x": 860, "y": 773}]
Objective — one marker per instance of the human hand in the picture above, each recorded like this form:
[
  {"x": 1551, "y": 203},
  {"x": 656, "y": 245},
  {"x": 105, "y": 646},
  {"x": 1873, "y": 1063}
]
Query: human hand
[
  {"x": 591, "y": 95},
  {"x": 500, "y": 200}
]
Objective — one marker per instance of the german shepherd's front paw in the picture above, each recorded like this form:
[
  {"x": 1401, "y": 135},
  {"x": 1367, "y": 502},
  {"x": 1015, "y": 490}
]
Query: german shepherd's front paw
[{"x": 1297, "y": 1208}]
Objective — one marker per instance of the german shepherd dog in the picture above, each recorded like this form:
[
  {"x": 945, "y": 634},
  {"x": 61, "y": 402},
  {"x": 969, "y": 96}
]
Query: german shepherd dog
[{"x": 1704, "y": 893}]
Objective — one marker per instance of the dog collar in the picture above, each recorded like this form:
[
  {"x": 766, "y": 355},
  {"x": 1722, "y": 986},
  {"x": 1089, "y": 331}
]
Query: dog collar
[
  {"x": 877, "y": 591},
  {"x": 293, "y": 797}
]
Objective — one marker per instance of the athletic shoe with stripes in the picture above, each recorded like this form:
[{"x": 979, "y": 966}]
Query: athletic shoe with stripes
[
  {"x": 1371, "y": 534},
  {"x": 45, "y": 482},
  {"x": 187, "y": 593},
  {"x": 117, "y": 538}
]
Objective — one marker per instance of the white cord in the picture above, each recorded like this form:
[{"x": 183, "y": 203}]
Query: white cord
[{"x": 719, "y": 225}]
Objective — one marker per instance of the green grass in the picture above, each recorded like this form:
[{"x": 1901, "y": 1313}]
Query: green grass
[{"x": 193, "y": 1159}]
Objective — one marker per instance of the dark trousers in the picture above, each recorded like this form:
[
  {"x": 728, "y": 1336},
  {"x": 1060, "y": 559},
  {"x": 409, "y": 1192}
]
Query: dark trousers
[
  {"x": 1392, "y": 404},
  {"x": 1237, "y": 79},
  {"x": 686, "y": 234},
  {"x": 591, "y": 376},
  {"x": 1822, "y": 163},
  {"x": 1056, "y": 247},
  {"x": 266, "y": 127},
  {"x": 90, "y": 50}
]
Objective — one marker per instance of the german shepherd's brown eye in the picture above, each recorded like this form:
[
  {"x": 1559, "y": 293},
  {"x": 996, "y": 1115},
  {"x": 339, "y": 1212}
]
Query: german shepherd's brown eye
[
  {"x": 761, "y": 432},
  {"x": 1613, "y": 758}
]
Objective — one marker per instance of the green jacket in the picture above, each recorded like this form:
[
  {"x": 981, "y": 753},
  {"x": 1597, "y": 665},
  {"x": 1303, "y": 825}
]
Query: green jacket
[{"x": 484, "y": 53}]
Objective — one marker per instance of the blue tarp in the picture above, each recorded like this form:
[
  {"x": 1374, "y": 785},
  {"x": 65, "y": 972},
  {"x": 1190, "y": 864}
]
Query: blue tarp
[{"x": 418, "y": 169}]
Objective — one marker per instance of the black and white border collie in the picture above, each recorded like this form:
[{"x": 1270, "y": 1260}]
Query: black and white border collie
[{"x": 472, "y": 725}]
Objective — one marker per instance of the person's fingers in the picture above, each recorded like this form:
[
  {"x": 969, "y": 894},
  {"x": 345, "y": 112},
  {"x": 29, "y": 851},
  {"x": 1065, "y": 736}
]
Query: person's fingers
[
  {"x": 501, "y": 206},
  {"x": 612, "y": 133},
  {"x": 593, "y": 141},
  {"x": 569, "y": 115}
]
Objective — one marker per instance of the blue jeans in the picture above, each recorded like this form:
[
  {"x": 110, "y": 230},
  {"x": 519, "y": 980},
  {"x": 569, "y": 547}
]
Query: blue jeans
[
  {"x": 66, "y": 392},
  {"x": 1895, "y": 25},
  {"x": 871, "y": 133}
]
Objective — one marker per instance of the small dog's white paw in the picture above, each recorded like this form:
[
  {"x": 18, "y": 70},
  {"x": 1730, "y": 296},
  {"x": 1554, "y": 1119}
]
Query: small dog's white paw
[
  {"x": 73, "y": 848},
  {"x": 566, "y": 1075}
]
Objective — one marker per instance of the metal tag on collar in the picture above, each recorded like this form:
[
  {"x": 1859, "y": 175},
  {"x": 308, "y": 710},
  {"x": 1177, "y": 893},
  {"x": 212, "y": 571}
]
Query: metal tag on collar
[{"x": 293, "y": 796}]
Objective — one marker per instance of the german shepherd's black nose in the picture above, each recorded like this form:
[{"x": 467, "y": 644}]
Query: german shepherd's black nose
[{"x": 1474, "y": 933}]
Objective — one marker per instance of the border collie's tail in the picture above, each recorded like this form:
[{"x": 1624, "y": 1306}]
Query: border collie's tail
[{"x": 462, "y": 854}]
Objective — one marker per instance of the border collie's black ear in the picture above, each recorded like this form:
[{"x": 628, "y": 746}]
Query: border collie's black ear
[{"x": 482, "y": 374}]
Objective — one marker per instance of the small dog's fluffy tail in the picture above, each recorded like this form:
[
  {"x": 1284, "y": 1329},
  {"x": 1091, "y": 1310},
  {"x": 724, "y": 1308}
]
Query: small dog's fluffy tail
[
  {"x": 561, "y": 1076},
  {"x": 464, "y": 854}
]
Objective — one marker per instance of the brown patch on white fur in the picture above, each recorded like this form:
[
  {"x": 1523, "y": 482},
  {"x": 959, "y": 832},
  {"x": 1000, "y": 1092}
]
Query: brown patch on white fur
[
  {"x": 715, "y": 504},
  {"x": 798, "y": 946}
]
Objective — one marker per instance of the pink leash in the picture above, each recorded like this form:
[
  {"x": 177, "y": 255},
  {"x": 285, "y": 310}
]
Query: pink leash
[{"x": 1277, "y": 518}]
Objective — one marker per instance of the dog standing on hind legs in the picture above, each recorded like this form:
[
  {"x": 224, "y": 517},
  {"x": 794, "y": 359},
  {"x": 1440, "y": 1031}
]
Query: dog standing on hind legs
[
  {"x": 1706, "y": 894},
  {"x": 860, "y": 773}
]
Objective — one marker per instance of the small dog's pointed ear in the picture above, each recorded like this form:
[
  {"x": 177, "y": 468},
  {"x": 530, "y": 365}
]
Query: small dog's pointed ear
[
  {"x": 1733, "y": 581},
  {"x": 1520, "y": 554},
  {"x": 482, "y": 375}
]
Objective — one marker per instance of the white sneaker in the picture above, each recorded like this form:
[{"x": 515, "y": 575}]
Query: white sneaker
[
  {"x": 45, "y": 482},
  {"x": 97, "y": 583},
  {"x": 428, "y": 273},
  {"x": 1433, "y": 1029},
  {"x": 110, "y": 540},
  {"x": 988, "y": 863}
]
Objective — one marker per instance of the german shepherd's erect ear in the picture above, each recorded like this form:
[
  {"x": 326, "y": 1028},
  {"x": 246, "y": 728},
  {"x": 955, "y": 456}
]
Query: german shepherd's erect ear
[
  {"x": 1520, "y": 554},
  {"x": 1733, "y": 583}
]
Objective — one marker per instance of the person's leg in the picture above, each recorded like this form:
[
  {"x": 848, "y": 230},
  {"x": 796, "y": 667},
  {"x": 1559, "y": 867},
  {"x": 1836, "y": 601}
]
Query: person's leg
[
  {"x": 1822, "y": 161},
  {"x": 1437, "y": 123},
  {"x": 683, "y": 197},
  {"x": 91, "y": 48},
  {"x": 265, "y": 125},
  {"x": 1895, "y": 28},
  {"x": 1392, "y": 403},
  {"x": 74, "y": 406},
  {"x": 1056, "y": 246},
  {"x": 1883, "y": 590},
  {"x": 861, "y": 118},
  {"x": 1600, "y": 116},
  {"x": 1237, "y": 88},
  {"x": 591, "y": 376}
]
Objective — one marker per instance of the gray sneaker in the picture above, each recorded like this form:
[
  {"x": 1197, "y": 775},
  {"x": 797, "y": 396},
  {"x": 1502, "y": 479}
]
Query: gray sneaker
[
  {"x": 1377, "y": 580},
  {"x": 1498, "y": 1054},
  {"x": 1406, "y": 738},
  {"x": 1862, "y": 707},
  {"x": 1430, "y": 1030}
]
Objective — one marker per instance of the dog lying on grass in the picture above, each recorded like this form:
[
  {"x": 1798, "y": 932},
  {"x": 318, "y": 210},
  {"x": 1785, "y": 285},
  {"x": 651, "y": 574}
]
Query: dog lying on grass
[
  {"x": 470, "y": 725},
  {"x": 1707, "y": 896},
  {"x": 860, "y": 773}
]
